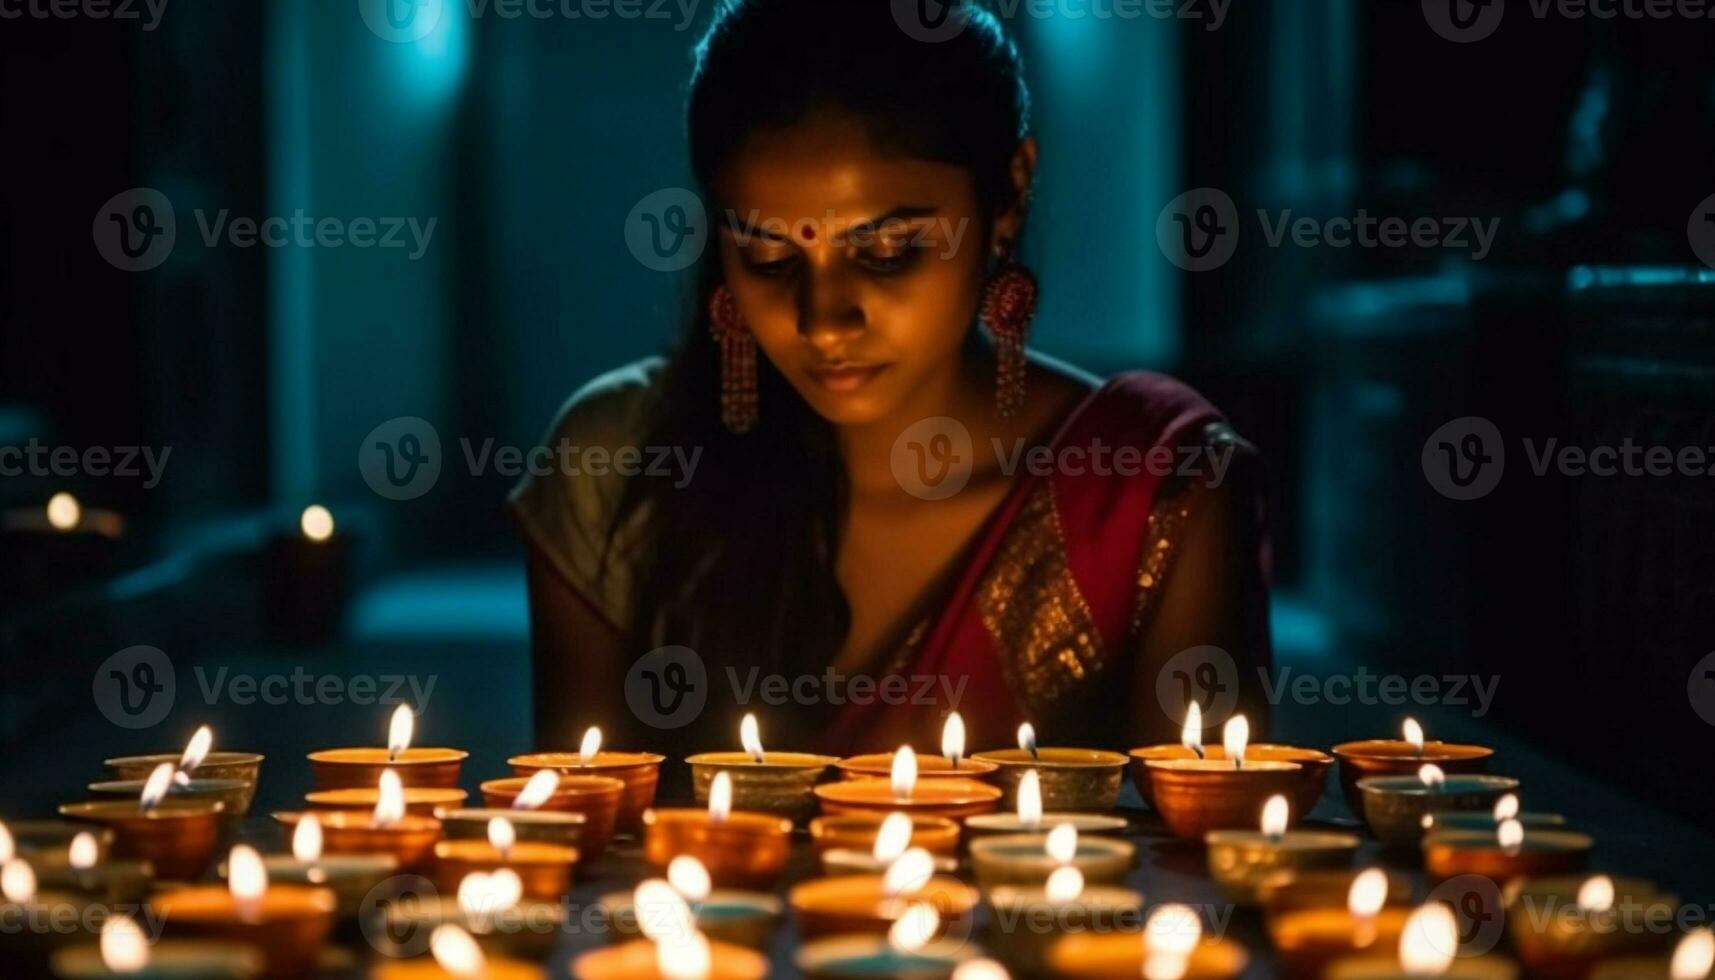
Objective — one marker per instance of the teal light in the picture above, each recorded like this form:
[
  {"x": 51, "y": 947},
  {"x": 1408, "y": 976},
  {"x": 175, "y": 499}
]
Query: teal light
[{"x": 430, "y": 69}]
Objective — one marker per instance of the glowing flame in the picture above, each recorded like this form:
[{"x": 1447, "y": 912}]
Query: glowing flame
[
  {"x": 246, "y": 876},
  {"x": 892, "y": 839},
  {"x": 156, "y": 786},
  {"x": 83, "y": 851},
  {"x": 662, "y": 913},
  {"x": 914, "y": 927},
  {"x": 307, "y": 839},
  {"x": 1030, "y": 800},
  {"x": 1506, "y": 807},
  {"x": 685, "y": 958},
  {"x": 1596, "y": 894},
  {"x": 1235, "y": 735},
  {"x": 8, "y": 848},
  {"x": 1430, "y": 941},
  {"x": 1510, "y": 834},
  {"x": 953, "y": 738},
  {"x": 1062, "y": 844},
  {"x": 1414, "y": 735},
  {"x": 1431, "y": 776},
  {"x": 481, "y": 894},
  {"x": 501, "y": 836},
  {"x": 1172, "y": 930},
  {"x": 1191, "y": 735},
  {"x": 316, "y": 522},
  {"x": 904, "y": 772},
  {"x": 537, "y": 789},
  {"x": 689, "y": 878},
  {"x": 908, "y": 874},
  {"x": 590, "y": 746},
  {"x": 1027, "y": 738},
  {"x": 1274, "y": 815},
  {"x": 1064, "y": 885},
  {"x": 124, "y": 949},
  {"x": 390, "y": 801},
  {"x": 197, "y": 750},
  {"x": 456, "y": 952},
  {"x": 1368, "y": 893},
  {"x": 981, "y": 969},
  {"x": 1694, "y": 957},
  {"x": 750, "y": 738},
  {"x": 17, "y": 881},
  {"x": 720, "y": 797},
  {"x": 1165, "y": 966},
  {"x": 399, "y": 731},
  {"x": 64, "y": 512}
]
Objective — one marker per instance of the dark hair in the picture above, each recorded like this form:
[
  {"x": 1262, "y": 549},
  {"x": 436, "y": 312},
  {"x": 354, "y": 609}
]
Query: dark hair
[{"x": 739, "y": 564}]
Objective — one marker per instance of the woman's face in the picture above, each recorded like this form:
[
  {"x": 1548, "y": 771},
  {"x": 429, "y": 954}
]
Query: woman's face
[{"x": 859, "y": 273}]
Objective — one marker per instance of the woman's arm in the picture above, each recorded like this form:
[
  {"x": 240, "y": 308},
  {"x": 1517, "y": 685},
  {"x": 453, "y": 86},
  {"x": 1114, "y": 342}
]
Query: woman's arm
[{"x": 576, "y": 654}]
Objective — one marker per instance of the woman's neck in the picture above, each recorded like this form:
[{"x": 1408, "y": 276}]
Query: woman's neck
[{"x": 963, "y": 392}]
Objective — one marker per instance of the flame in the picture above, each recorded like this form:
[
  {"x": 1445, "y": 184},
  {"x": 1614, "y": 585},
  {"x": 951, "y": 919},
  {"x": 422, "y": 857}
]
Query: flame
[
  {"x": 751, "y": 738},
  {"x": 456, "y": 952},
  {"x": 64, "y": 512},
  {"x": 124, "y": 949},
  {"x": 83, "y": 851},
  {"x": 893, "y": 838},
  {"x": 481, "y": 894},
  {"x": 904, "y": 772},
  {"x": 1235, "y": 735},
  {"x": 537, "y": 789},
  {"x": 1510, "y": 834},
  {"x": 1596, "y": 894},
  {"x": 980, "y": 969},
  {"x": 720, "y": 797},
  {"x": 685, "y": 958},
  {"x": 501, "y": 836},
  {"x": 1431, "y": 776},
  {"x": 662, "y": 913},
  {"x": 1027, "y": 738},
  {"x": 316, "y": 522},
  {"x": 1062, "y": 844},
  {"x": 1064, "y": 885},
  {"x": 8, "y": 848},
  {"x": 590, "y": 746},
  {"x": 1172, "y": 930},
  {"x": 1430, "y": 941},
  {"x": 1506, "y": 807},
  {"x": 1694, "y": 956},
  {"x": 1164, "y": 966},
  {"x": 399, "y": 731},
  {"x": 156, "y": 786},
  {"x": 953, "y": 738},
  {"x": 689, "y": 878},
  {"x": 390, "y": 803},
  {"x": 1368, "y": 893},
  {"x": 1030, "y": 799},
  {"x": 1191, "y": 735},
  {"x": 246, "y": 876},
  {"x": 17, "y": 881},
  {"x": 908, "y": 874},
  {"x": 1274, "y": 815},
  {"x": 1414, "y": 734},
  {"x": 197, "y": 750},
  {"x": 307, "y": 839},
  {"x": 914, "y": 927}
]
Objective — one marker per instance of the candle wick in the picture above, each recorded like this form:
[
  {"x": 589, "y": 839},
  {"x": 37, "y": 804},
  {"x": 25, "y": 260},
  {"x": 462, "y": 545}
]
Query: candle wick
[{"x": 1201, "y": 755}]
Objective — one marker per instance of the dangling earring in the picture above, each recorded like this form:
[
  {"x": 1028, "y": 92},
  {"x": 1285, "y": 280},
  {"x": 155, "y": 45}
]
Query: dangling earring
[
  {"x": 738, "y": 362},
  {"x": 1009, "y": 301}
]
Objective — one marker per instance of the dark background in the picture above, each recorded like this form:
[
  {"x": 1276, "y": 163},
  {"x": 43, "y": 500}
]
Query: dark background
[{"x": 529, "y": 141}]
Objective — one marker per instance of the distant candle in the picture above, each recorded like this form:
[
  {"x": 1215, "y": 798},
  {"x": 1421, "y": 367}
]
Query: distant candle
[{"x": 316, "y": 522}]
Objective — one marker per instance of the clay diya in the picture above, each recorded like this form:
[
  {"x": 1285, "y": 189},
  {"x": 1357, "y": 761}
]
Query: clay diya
[
  {"x": 81, "y": 868},
  {"x": 1171, "y": 947},
  {"x": 1428, "y": 947},
  {"x": 125, "y": 953},
  {"x": 1562, "y": 926},
  {"x": 1195, "y": 796},
  {"x": 540, "y": 826},
  {"x": 489, "y": 906},
  {"x": 545, "y": 870},
  {"x": 909, "y": 950},
  {"x": 872, "y": 903},
  {"x": 858, "y": 831},
  {"x": 288, "y": 923},
  {"x": 1071, "y": 779},
  {"x": 455, "y": 954},
  {"x": 1028, "y": 859},
  {"x": 196, "y": 763},
  {"x": 951, "y": 798},
  {"x": 743, "y": 918},
  {"x": 1692, "y": 959},
  {"x": 762, "y": 782},
  {"x": 1029, "y": 817},
  {"x": 698, "y": 956},
  {"x": 1240, "y": 859},
  {"x": 1511, "y": 852},
  {"x": 596, "y": 797},
  {"x": 1313, "y": 764},
  {"x": 349, "y": 876},
  {"x": 1402, "y": 757},
  {"x": 362, "y": 767},
  {"x": 177, "y": 837},
  {"x": 892, "y": 838},
  {"x": 408, "y": 838},
  {"x": 1395, "y": 807},
  {"x": 1306, "y": 940},
  {"x": 740, "y": 850},
  {"x": 639, "y": 771},
  {"x": 1028, "y": 920}
]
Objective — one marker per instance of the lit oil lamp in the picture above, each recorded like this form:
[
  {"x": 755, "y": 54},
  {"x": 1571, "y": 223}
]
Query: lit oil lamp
[
  {"x": 234, "y": 793},
  {"x": 125, "y": 953},
  {"x": 762, "y": 782},
  {"x": 742, "y": 918},
  {"x": 1314, "y": 764},
  {"x": 544, "y": 869},
  {"x": 953, "y": 798},
  {"x": 81, "y": 868},
  {"x": 1562, "y": 926},
  {"x": 197, "y": 762},
  {"x": 543, "y": 826},
  {"x": 858, "y": 832},
  {"x": 872, "y": 903},
  {"x": 455, "y": 955},
  {"x": 1396, "y": 806},
  {"x": 33, "y": 918},
  {"x": 1030, "y": 818},
  {"x": 49, "y": 546},
  {"x": 1510, "y": 852},
  {"x": 288, "y": 923},
  {"x": 387, "y": 829},
  {"x": 909, "y": 949},
  {"x": 1240, "y": 859},
  {"x": 1071, "y": 779},
  {"x": 1028, "y": 859},
  {"x": 304, "y": 570},
  {"x": 1307, "y": 940},
  {"x": 1172, "y": 947},
  {"x": 1280, "y": 892},
  {"x": 349, "y": 876},
  {"x": 490, "y": 907},
  {"x": 177, "y": 837},
  {"x": 950, "y": 764},
  {"x": 596, "y": 797},
  {"x": 892, "y": 838},
  {"x": 1693, "y": 958},
  {"x": 674, "y": 949},
  {"x": 1195, "y": 796},
  {"x": 1028, "y": 920},
  {"x": 639, "y": 771},
  {"x": 1402, "y": 757},
  {"x": 361, "y": 768},
  {"x": 740, "y": 850},
  {"x": 1428, "y": 947},
  {"x": 32, "y": 838},
  {"x": 1506, "y": 808}
]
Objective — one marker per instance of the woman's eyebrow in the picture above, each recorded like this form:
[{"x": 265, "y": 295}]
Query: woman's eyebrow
[{"x": 745, "y": 226}]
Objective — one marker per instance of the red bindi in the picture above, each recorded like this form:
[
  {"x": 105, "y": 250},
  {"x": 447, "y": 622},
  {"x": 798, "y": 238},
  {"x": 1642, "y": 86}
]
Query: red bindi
[{"x": 807, "y": 231}]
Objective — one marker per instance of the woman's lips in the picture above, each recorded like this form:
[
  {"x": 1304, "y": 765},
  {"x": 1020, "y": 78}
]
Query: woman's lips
[{"x": 847, "y": 377}]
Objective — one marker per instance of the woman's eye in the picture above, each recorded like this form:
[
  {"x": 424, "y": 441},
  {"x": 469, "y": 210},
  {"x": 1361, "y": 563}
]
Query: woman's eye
[
  {"x": 770, "y": 266},
  {"x": 887, "y": 258}
]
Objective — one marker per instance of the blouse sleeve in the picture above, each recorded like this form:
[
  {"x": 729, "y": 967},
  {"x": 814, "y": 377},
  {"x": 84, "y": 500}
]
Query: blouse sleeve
[{"x": 565, "y": 504}]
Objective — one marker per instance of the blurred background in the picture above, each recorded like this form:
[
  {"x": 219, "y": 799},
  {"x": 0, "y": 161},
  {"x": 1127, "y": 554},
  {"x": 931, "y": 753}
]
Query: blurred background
[{"x": 527, "y": 141}]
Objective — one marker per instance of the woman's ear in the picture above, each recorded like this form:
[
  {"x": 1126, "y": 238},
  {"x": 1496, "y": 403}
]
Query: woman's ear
[{"x": 1009, "y": 224}]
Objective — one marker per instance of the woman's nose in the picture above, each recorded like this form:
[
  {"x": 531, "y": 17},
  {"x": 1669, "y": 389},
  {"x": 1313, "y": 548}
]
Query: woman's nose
[{"x": 829, "y": 313}]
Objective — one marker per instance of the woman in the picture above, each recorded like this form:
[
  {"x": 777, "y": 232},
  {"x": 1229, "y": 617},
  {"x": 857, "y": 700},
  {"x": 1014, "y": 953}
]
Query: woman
[{"x": 869, "y": 192}]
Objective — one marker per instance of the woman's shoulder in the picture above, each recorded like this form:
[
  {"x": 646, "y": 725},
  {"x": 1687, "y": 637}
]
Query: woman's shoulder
[
  {"x": 611, "y": 409},
  {"x": 1147, "y": 409}
]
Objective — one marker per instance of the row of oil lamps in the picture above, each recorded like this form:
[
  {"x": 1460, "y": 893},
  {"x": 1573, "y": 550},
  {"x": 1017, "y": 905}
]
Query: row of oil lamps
[{"x": 1035, "y": 821}]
